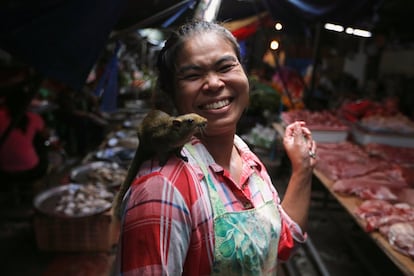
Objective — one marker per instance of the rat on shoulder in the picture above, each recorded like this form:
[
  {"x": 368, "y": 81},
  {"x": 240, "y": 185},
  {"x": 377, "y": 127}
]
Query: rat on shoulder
[{"x": 160, "y": 135}]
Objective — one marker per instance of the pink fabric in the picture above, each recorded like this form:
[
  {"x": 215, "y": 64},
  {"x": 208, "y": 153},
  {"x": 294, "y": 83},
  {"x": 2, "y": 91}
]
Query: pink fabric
[{"x": 17, "y": 153}]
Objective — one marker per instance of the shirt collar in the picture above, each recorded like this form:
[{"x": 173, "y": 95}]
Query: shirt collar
[{"x": 248, "y": 157}]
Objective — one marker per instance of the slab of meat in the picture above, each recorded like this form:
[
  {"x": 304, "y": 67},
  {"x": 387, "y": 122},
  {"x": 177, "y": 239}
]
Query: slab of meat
[
  {"x": 346, "y": 160},
  {"x": 406, "y": 195},
  {"x": 379, "y": 213},
  {"x": 398, "y": 155},
  {"x": 374, "y": 185},
  {"x": 315, "y": 120},
  {"x": 401, "y": 237},
  {"x": 408, "y": 173}
]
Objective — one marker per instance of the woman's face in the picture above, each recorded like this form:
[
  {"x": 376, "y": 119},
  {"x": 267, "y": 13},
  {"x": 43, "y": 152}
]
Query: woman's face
[{"x": 211, "y": 82}]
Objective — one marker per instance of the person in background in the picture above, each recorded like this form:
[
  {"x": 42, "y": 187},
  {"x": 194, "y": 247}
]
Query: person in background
[
  {"x": 219, "y": 213},
  {"x": 80, "y": 122},
  {"x": 23, "y": 155}
]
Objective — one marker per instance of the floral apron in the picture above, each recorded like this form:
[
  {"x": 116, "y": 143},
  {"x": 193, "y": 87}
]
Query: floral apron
[{"x": 246, "y": 242}]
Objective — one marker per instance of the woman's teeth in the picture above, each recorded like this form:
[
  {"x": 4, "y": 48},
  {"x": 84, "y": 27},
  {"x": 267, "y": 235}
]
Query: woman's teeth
[{"x": 217, "y": 105}]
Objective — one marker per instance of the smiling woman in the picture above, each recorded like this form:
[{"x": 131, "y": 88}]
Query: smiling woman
[
  {"x": 219, "y": 209},
  {"x": 213, "y": 82}
]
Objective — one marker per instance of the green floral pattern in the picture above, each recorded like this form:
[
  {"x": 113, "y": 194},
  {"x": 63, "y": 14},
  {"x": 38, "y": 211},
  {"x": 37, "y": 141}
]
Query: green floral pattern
[
  {"x": 242, "y": 242},
  {"x": 246, "y": 242}
]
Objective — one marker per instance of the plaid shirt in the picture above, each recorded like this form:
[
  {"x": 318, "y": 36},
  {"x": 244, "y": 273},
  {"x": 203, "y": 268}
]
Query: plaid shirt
[{"x": 168, "y": 221}]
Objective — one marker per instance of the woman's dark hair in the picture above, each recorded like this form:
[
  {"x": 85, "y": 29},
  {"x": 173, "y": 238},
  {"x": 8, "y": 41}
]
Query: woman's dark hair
[{"x": 167, "y": 57}]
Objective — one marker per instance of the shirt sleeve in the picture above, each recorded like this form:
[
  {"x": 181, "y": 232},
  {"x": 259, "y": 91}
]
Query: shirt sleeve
[
  {"x": 291, "y": 237},
  {"x": 156, "y": 230},
  {"x": 294, "y": 228}
]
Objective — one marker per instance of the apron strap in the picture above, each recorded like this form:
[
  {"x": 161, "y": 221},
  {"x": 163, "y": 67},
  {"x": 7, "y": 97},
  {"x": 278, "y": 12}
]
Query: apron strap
[{"x": 217, "y": 204}]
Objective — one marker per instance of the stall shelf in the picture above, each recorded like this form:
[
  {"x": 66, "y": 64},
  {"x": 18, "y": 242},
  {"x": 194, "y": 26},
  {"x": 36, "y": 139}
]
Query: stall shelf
[{"x": 350, "y": 203}]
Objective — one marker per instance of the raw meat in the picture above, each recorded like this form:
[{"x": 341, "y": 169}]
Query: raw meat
[
  {"x": 346, "y": 160},
  {"x": 374, "y": 185},
  {"x": 399, "y": 155},
  {"x": 401, "y": 237},
  {"x": 380, "y": 213}
]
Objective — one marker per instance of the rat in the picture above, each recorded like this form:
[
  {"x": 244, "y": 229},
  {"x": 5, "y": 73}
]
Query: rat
[{"x": 160, "y": 135}]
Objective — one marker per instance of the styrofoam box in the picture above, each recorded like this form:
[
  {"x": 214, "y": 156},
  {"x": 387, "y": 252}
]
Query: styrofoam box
[
  {"x": 329, "y": 136},
  {"x": 362, "y": 136}
]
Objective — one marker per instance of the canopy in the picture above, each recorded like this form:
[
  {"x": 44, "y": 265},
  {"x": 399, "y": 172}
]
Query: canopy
[{"x": 63, "y": 39}]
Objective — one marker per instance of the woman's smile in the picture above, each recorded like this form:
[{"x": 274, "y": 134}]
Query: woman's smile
[{"x": 216, "y": 105}]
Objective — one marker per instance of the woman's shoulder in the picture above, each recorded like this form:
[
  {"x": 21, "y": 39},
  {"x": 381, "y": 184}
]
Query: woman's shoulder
[
  {"x": 176, "y": 178},
  {"x": 177, "y": 174}
]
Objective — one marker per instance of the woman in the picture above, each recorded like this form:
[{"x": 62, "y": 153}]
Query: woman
[
  {"x": 218, "y": 213},
  {"x": 23, "y": 156}
]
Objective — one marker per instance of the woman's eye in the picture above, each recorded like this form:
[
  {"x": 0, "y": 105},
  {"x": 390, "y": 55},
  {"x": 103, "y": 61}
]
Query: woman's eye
[
  {"x": 192, "y": 76},
  {"x": 226, "y": 68}
]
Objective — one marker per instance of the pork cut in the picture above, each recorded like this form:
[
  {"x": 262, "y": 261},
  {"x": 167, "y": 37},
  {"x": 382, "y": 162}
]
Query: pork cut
[
  {"x": 379, "y": 213},
  {"x": 401, "y": 237},
  {"x": 374, "y": 185}
]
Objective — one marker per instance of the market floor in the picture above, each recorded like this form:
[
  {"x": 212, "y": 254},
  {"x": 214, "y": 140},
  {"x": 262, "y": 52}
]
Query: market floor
[{"x": 337, "y": 246}]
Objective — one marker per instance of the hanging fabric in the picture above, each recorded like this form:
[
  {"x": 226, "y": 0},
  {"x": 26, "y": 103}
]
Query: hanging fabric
[
  {"x": 171, "y": 20},
  {"x": 107, "y": 88}
]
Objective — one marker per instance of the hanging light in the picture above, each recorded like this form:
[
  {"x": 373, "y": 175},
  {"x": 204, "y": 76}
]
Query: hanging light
[
  {"x": 334, "y": 27},
  {"x": 348, "y": 30},
  {"x": 274, "y": 45},
  {"x": 358, "y": 32},
  {"x": 278, "y": 26}
]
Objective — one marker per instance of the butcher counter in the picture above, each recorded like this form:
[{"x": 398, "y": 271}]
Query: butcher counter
[{"x": 350, "y": 204}]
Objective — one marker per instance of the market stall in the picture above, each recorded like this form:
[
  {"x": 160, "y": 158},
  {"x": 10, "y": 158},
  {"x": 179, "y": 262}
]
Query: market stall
[
  {"x": 369, "y": 173},
  {"x": 75, "y": 215},
  {"x": 62, "y": 48}
]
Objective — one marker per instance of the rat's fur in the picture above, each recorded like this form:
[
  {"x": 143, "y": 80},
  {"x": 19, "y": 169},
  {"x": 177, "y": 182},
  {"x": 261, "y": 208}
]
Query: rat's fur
[{"x": 160, "y": 135}]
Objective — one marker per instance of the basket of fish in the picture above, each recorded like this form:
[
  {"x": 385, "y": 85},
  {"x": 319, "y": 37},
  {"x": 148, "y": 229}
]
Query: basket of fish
[
  {"x": 74, "y": 200},
  {"x": 74, "y": 217}
]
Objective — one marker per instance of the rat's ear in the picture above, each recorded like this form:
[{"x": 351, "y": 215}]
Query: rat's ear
[{"x": 176, "y": 123}]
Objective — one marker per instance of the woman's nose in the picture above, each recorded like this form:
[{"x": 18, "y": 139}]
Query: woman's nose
[{"x": 212, "y": 81}]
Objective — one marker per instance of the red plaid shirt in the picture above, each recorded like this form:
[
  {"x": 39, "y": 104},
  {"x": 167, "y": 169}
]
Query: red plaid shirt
[{"x": 168, "y": 221}]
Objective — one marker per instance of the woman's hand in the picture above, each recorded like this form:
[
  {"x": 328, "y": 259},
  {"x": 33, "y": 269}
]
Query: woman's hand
[
  {"x": 299, "y": 146},
  {"x": 301, "y": 150}
]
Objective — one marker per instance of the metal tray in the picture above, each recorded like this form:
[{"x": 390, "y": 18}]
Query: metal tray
[
  {"x": 81, "y": 174},
  {"x": 125, "y": 133},
  {"x": 119, "y": 155},
  {"x": 46, "y": 202},
  {"x": 108, "y": 153}
]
